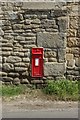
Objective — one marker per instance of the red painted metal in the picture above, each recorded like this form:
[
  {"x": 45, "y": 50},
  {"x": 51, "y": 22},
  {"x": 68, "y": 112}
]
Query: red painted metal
[{"x": 37, "y": 62}]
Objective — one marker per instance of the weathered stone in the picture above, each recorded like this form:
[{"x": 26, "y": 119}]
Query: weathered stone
[
  {"x": 24, "y": 81},
  {"x": 61, "y": 55},
  {"x": 71, "y": 63},
  {"x": 42, "y": 16},
  {"x": 8, "y": 67},
  {"x": 6, "y": 28},
  {"x": 7, "y": 49},
  {"x": 51, "y": 30},
  {"x": 16, "y": 81},
  {"x": 75, "y": 50},
  {"x": 61, "y": 78},
  {"x": 27, "y": 16},
  {"x": 50, "y": 78},
  {"x": 52, "y": 60},
  {"x": 20, "y": 54},
  {"x": 30, "y": 38},
  {"x": 0, "y": 66},
  {"x": 2, "y": 74},
  {"x": 19, "y": 38},
  {"x": 7, "y": 45},
  {"x": 37, "y": 81},
  {"x": 63, "y": 24},
  {"x": 1, "y": 32},
  {"x": 17, "y": 26},
  {"x": 29, "y": 46},
  {"x": 54, "y": 69},
  {"x": 20, "y": 64},
  {"x": 73, "y": 24},
  {"x": 25, "y": 74},
  {"x": 77, "y": 62},
  {"x": 51, "y": 40},
  {"x": 4, "y": 59},
  {"x": 26, "y": 60},
  {"x": 72, "y": 72},
  {"x": 7, "y": 79},
  {"x": 36, "y": 21},
  {"x": 0, "y": 59},
  {"x": 72, "y": 42},
  {"x": 69, "y": 56},
  {"x": 20, "y": 69},
  {"x": 72, "y": 33},
  {"x": 8, "y": 37},
  {"x": 27, "y": 54},
  {"x": 12, "y": 74},
  {"x": 6, "y": 53},
  {"x": 20, "y": 16},
  {"x": 58, "y": 13},
  {"x": 47, "y": 23},
  {"x": 13, "y": 59},
  {"x": 41, "y": 5},
  {"x": 12, "y": 15},
  {"x": 17, "y": 45},
  {"x": 19, "y": 31}
]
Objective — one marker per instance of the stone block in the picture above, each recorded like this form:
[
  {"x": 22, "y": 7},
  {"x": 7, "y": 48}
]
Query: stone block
[
  {"x": 12, "y": 74},
  {"x": 63, "y": 24},
  {"x": 25, "y": 81},
  {"x": 20, "y": 64},
  {"x": 25, "y": 74},
  {"x": 37, "y": 81},
  {"x": 7, "y": 49},
  {"x": 73, "y": 23},
  {"x": 13, "y": 59},
  {"x": 52, "y": 60},
  {"x": 3, "y": 74},
  {"x": 36, "y": 21},
  {"x": 8, "y": 67},
  {"x": 72, "y": 42},
  {"x": 42, "y": 5},
  {"x": 48, "y": 23},
  {"x": 72, "y": 32},
  {"x": 58, "y": 13},
  {"x": 17, "y": 26},
  {"x": 7, "y": 79},
  {"x": 16, "y": 81},
  {"x": 26, "y": 60},
  {"x": 69, "y": 56},
  {"x": 51, "y": 40},
  {"x": 49, "y": 53},
  {"x": 71, "y": 63},
  {"x": 77, "y": 62},
  {"x": 12, "y": 15},
  {"x": 54, "y": 69},
  {"x": 61, "y": 55},
  {"x": 20, "y": 69}
]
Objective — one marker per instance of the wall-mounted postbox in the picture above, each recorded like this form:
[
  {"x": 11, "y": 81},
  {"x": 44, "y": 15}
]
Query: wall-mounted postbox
[{"x": 37, "y": 62}]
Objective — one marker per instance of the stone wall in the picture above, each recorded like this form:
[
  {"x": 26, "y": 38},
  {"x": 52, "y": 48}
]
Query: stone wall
[{"x": 53, "y": 26}]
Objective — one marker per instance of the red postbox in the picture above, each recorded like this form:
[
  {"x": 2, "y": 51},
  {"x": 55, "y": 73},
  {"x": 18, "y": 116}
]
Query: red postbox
[{"x": 37, "y": 62}]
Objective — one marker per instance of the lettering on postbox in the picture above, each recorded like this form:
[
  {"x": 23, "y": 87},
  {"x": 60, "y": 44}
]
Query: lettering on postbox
[{"x": 37, "y": 62}]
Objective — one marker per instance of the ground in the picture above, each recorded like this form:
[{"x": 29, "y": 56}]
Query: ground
[{"x": 38, "y": 105}]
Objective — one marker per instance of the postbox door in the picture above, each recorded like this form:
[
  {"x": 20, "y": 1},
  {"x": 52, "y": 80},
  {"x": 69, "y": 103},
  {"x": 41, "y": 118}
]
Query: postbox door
[{"x": 37, "y": 66}]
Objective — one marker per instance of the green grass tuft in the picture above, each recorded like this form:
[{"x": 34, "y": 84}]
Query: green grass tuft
[
  {"x": 12, "y": 90},
  {"x": 63, "y": 89}
]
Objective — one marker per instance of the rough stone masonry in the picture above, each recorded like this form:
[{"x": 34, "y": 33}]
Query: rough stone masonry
[{"x": 53, "y": 26}]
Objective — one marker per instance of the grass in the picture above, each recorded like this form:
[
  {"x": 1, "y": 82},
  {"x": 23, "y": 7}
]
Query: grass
[
  {"x": 63, "y": 89},
  {"x": 57, "y": 90},
  {"x": 12, "y": 90}
]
